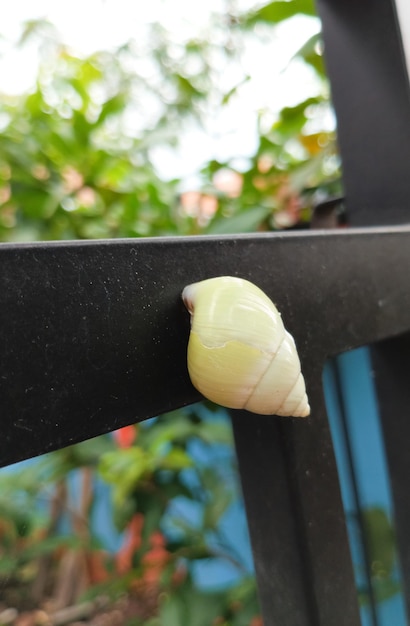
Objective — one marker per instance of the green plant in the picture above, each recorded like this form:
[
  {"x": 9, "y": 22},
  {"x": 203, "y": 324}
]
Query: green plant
[{"x": 77, "y": 160}]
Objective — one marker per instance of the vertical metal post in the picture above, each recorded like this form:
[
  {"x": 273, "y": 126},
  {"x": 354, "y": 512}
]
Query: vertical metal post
[
  {"x": 370, "y": 85},
  {"x": 369, "y": 81},
  {"x": 371, "y": 96}
]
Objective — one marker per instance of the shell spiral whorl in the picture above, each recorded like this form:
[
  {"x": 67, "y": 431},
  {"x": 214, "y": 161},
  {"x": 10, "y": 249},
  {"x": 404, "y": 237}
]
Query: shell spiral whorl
[{"x": 239, "y": 353}]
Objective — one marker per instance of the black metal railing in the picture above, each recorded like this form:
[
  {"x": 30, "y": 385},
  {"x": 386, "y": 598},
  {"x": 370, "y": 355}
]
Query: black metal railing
[{"x": 93, "y": 335}]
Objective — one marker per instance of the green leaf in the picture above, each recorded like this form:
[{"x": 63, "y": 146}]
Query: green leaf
[
  {"x": 244, "y": 222},
  {"x": 51, "y": 544},
  {"x": 176, "y": 459},
  {"x": 124, "y": 469},
  {"x": 173, "y": 612},
  {"x": 292, "y": 119},
  {"x": 89, "y": 453},
  {"x": 176, "y": 429},
  {"x": 381, "y": 540},
  {"x": 310, "y": 52},
  {"x": 8, "y": 565},
  {"x": 216, "y": 432},
  {"x": 280, "y": 10},
  {"x": 221, "y": 499},
  {"x": 189, "y": 606},
  {"x": 308, "y": 173},
  {"x": 227, "y": 96},
  {"x": 113, "y": 106},
  {"x": 37, "y": 27},
  {"x": 35, "y": 203}
]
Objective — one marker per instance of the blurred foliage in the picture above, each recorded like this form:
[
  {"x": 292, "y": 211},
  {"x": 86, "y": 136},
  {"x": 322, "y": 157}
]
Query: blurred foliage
[
  {"x": 77, "y": 151},
  {"x": 51, "y": 556},
  {"x": 77, "y": 160},
  {"x": 381, "y": 547}
]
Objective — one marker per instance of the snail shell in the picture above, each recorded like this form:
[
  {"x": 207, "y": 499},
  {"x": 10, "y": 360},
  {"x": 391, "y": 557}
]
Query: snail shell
[{"x": 239, "y": 353}]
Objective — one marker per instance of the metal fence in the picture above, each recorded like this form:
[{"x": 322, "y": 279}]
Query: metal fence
[{"x": 93, "y": 334}]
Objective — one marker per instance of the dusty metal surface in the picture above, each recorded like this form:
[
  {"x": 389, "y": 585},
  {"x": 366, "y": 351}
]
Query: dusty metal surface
[{"x": 94, "y": 335}]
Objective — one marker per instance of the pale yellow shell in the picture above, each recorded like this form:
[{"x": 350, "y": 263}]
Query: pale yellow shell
[{"x": 239, "y": 353}]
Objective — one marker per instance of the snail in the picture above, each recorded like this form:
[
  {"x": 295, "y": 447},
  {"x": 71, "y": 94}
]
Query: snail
[{"x": 239, "y": 353}]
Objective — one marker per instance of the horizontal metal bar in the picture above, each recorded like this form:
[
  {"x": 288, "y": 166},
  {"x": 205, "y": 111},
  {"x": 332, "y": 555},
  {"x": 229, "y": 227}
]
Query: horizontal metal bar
[{"x": 93, "y": 334}]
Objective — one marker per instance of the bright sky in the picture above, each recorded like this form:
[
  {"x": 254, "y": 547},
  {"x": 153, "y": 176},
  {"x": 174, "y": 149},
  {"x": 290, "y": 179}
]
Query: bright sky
[
  {"x": 403, "y": 11},
  {"x": 89, "y": 25}
]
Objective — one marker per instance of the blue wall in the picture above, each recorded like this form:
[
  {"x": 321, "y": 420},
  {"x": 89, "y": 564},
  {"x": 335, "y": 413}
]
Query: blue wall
[{"x": 356, "y": 431}]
